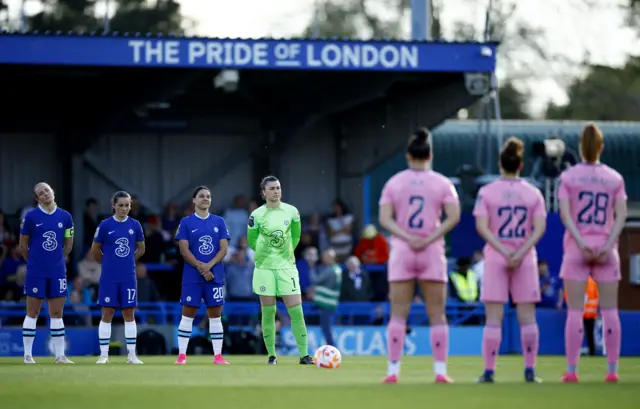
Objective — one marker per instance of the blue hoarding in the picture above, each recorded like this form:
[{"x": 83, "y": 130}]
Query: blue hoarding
[
  {"x": 247, "y": 54},
  {"x": 372, "y": 341}
]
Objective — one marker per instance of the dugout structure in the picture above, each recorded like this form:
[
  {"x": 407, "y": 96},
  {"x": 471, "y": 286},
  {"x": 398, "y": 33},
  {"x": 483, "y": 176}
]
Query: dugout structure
[{"x": 77, "y": 88}]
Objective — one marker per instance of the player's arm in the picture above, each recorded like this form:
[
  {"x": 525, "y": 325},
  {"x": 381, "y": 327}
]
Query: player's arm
[
  {"x": 96, "y": 245},
  {"x": 68, "y": 237},
  {"x": 253, "y": 231},
  {"x": 296, "y": 228},
  {"x": 451, "y": 220},
  {"x": 25, "y": 234},
  {"x": 565, "y": 213},
  {"x": 482, "y": 227},
  {"x": 140, "y": 246},
  {"x": 620, "y": 217},
  {"x": 386, "y": 220},
  {"x": 539, "y": 226}
]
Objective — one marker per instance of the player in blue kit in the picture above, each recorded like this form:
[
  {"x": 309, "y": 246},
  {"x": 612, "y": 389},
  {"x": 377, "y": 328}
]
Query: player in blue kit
[
  {"x": 203, "y": 240},
  {"x": 46, "y": 239},
  {"x": 118, "y": 243}
]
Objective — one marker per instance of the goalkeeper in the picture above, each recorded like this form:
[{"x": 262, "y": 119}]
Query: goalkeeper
[{"x": 273, "y": 233}]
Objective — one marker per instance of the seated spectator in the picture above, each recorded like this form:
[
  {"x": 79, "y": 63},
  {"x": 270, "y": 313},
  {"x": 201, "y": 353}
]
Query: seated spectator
[
  {"x": 307, "y": 270},
  {"x": 463, "y": 283},
  {"x": 239, "y": 273},
  {"x": 356, "y": 283},
  {"x": 10, "y": 261},
  {"x": 372, "y": 247},
  {"x": 147, "y": 291},
  {"x": 550, "y": 287},
  {"x": 90, "y": 270}
]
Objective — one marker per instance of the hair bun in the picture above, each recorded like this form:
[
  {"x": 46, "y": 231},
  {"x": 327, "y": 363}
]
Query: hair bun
[
  {"x": 513, "y": 146},
  {"x": 421, "y": 135}
]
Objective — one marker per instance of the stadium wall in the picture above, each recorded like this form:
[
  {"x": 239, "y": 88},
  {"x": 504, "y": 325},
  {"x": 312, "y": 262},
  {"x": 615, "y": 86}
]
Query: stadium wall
[{"x": 24, "y": 160}]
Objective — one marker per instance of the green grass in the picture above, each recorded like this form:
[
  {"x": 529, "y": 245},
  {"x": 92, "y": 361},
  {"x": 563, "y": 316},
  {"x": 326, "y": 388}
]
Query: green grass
[{"x": 249, "y": 383}]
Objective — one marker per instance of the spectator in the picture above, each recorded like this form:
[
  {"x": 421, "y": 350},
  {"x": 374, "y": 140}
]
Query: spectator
[
  {"x": 241, "y": 246},
  {"x": 236, "y": 218},
  {"x": 372, "y": 247},
  {"x": 463, "y": 283},
  {"x": 79, "y": 297},
  {"x": 356, "y": 284},
  {"x": 239, "y": 272},
  {"x": 137, "y": 212},
  {"x": 147, "y": 291},
  {"x": 316, "y": 228},
  {"x": 171, "y": 218},
  {"x": 550, "y": 287},
  {"x": 156, "y": 241},
  {"x": 7, "y": 238},
  {"x": 307, "y": 270},
  {"x": 90, "y": 270},
  {"x": 306, "y": 241},
  {"x": 340, "y": 230},
  {"x": 326, "y": 292},
  {"x": 477, "y": 266},
  {"x": 10, "y": 261}
]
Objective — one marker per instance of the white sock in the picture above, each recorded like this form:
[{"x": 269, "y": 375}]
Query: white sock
[
  {"x": 184, "y": 333},
  {"x": 28, "y": 334},
  {"x": 440, "y": 368},
  {"x": 57, "y": 336},
  {"x": 130, "y": 334},
  {"x": 104, "y": 336},
  {"x": 393, "y": 368},
  {"x": 217, "y": 334}
]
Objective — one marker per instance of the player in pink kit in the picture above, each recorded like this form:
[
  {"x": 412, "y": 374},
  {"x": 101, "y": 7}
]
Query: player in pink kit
[
  {"x": 511, "y": 217},
  {"x": 593, "y": 207},
  {"x": 416, "y": 197}
]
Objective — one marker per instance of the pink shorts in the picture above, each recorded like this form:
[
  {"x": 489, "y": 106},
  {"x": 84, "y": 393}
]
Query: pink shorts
[
  {"x": 406, "y": 264},
  {"x": 523, "y": 282},
  {"x": 575, "y": 268}
]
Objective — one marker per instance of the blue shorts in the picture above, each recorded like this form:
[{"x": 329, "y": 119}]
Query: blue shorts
[
  {"x": 194, "y": 293},
  {"x": 44, "y": 287},
  {"x": 122, "y": 294}
]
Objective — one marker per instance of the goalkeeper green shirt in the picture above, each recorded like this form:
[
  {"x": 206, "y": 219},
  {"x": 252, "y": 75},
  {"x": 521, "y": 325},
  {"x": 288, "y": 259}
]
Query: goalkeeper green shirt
[{"x": 273, "y": 233}]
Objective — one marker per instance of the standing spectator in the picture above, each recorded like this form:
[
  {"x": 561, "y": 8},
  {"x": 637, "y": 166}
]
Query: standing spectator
[
  {"x": 340, "y": 230},
  {"x": 326, "y": 291},
  {"x": 477, "y": 266},
  {"x": 316, "y": 229},
  {"x": 239, "y": 272},
  {"x": 236, "y": 218}
]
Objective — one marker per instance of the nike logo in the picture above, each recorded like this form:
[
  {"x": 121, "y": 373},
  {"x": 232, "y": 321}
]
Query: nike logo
[
  {"x": 38, "y": 225},
  {"x": 193, "y": 231},
  {"x": 113, "y": 231}
]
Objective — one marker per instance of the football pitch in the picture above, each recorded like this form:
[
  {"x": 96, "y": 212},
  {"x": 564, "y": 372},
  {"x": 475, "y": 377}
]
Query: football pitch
[{"x": 249, "y": 383}]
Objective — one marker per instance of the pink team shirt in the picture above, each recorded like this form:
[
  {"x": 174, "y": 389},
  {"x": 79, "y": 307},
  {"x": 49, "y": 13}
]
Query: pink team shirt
[
  {"x": 592, "y": 190},
  {"x": 418, "y": 197},
  {"x": 511, "y": 205}
]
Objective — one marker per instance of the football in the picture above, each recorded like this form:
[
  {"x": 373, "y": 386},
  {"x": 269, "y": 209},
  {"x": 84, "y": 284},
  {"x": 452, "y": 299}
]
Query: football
[{"x": 327, "y": 356}]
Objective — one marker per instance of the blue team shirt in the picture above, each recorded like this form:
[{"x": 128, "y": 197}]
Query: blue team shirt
[
  {"x": 119, "y": 240},
  {"x": 46, "y": 233},
  {"x": 204, "y": 237}
]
